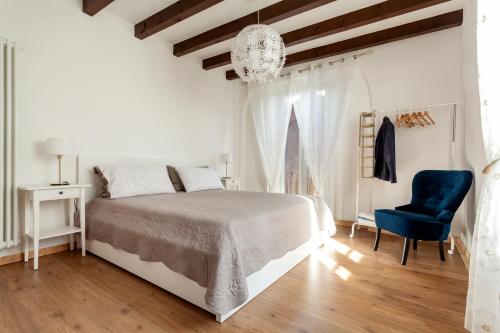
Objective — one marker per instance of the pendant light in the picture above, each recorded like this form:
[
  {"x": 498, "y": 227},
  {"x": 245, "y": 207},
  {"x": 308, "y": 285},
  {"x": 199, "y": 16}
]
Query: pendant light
[{"x": 258, "y": 53}]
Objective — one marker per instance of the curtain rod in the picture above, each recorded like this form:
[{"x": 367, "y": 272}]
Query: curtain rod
[
  {"x": 402, "y": 109},
  {"x": 332, "y": 62}
]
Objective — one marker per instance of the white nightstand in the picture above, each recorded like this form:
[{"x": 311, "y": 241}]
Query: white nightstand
[
  {"x": 231, "y": 183},
  {"x": 33, "y": 195}
]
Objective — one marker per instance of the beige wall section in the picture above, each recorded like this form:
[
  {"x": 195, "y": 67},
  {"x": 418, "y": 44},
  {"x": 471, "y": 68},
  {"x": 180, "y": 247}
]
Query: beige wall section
[
  {"x": 418, "y": 71},
  {"x": 88, "y": 79},
  {"x": 474, "y": 147}
]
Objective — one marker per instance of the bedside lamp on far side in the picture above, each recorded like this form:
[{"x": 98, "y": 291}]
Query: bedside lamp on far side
[
  {"x": 226, "y": 158},
  {"x": 58, "y": 147}
]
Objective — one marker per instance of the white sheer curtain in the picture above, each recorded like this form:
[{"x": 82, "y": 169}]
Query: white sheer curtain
[
  {"x": 483, "y": 298},
  {"x": 271, "y": 109},
  {"x": 320, "y": 99}
]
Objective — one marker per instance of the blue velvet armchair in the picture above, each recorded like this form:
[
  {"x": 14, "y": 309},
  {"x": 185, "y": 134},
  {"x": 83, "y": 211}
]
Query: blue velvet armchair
[{"x": 436, "y": 196}]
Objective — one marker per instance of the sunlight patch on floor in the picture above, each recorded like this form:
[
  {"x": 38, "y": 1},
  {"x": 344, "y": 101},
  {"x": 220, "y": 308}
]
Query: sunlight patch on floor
[
  {"x": 336, "y": 246},
  {"x": 343, "y": 273},
  {"x": 323, "y": 258},
  {"x": 355, "y": 256}
]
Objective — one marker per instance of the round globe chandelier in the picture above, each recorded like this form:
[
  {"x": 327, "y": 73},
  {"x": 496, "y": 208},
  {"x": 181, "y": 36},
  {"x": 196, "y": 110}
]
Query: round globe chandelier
[{"x": 258, "y": 53}]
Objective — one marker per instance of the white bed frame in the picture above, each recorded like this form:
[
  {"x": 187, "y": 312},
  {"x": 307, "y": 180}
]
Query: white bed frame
[
  {"x": 177, "y": 284},
  {"x": 160, "y": 275}
]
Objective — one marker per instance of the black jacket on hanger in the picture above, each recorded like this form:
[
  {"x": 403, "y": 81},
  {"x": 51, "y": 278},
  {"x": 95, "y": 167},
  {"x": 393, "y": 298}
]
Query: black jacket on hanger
[{"x": 385, "y": 152}]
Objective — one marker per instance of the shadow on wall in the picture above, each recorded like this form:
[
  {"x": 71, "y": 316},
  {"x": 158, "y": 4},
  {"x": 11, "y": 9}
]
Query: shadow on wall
[
  {"x": 41, "y": 151},
  {"x": 475, "y": 157},
  {"x": 470, "y": 208},
  {"x": 41, "y": 154}
]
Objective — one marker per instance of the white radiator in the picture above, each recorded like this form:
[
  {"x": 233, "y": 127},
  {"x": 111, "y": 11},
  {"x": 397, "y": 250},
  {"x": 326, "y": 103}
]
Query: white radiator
[{"x": 9, "y": 226}]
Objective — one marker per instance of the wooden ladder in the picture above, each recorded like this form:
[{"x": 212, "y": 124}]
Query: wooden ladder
[{"x": 367, "y": 144}]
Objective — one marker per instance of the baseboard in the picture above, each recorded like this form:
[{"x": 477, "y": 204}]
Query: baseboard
[
  {"x": 344, "y": 223},
  {"x": 17, "y": 257},
  {"x": 463, "y": 251},
  {"x": 347, "y": 223}
]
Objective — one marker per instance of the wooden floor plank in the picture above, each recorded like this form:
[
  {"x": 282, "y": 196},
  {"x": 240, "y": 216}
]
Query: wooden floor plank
[{"x": 343, "y": 287}]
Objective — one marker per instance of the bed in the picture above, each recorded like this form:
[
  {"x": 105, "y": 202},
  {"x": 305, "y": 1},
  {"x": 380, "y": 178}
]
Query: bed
[{"x": 217, "y": 249}]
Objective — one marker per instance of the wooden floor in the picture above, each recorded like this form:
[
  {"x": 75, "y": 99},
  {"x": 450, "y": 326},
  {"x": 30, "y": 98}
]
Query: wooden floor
[{"x": 344, "y": 287}]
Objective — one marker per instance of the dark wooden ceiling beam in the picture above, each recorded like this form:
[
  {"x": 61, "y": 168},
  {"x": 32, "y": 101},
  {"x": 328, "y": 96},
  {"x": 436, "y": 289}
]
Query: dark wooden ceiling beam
[
  {"x": 268, "y": 15},
  {"x": 171, "y": 15},
  {"x": 92, "y": 7},
  {"x": 358, "y": 18},
  {"x": 433, "y": 24}
]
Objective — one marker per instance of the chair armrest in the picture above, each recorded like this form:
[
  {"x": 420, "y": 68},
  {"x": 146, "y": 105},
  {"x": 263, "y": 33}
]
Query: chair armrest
[
  {"x": 446, "y": 216},
  {"x": 406, "y": 208}
]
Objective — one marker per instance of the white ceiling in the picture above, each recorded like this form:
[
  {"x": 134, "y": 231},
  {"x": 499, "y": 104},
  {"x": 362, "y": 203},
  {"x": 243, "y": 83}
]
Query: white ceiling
[{"x": 135, "y": 11}]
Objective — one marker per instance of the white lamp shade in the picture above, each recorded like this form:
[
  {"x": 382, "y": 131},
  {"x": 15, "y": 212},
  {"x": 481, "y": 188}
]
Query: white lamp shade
[
  {"x": 226, "y": 157},
  {"x": 58, "y": 146}
]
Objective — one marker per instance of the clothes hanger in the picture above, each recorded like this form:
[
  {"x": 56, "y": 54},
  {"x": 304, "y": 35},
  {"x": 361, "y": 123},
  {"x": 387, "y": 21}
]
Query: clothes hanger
[
  {"x": 401, "y": 118},
  {"x": 407, "y": 120},
  {"x": 422, "y": 118},
  {"x": 426, "y": 114},
  {"x": 398, "y": 120},
  {"x": 417, "y": 119},
  {"x": 413, "y": 118},
  {"x": 404, "y": 119}
]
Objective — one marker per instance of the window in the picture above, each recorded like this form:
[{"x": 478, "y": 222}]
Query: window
[{"x": 297, "y": 179}]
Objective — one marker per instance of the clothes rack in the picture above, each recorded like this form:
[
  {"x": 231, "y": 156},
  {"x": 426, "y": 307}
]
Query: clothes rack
[{"x": 362, "y": 153}]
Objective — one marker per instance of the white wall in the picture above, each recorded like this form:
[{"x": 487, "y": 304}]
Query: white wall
[
  {"x": 88, "y": 79},
  {"x": 418, "y": 71}
]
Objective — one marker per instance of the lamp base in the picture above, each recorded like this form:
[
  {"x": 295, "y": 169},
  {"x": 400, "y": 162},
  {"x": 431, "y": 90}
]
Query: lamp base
[{"x": 61, "y": 184}]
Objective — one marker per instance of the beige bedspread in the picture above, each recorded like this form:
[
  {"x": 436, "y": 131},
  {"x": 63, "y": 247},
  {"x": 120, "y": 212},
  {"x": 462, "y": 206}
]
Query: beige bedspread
[{"x": 216, "y": 238}]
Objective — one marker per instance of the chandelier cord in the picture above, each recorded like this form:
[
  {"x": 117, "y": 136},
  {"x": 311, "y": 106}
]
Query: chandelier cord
[{"x": 258, "y": 11}]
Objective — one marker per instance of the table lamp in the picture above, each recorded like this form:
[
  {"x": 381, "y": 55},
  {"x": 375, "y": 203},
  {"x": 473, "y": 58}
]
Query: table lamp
[
  {"x": 58, "y": 147},
  {"x": 226, "y": 158}
]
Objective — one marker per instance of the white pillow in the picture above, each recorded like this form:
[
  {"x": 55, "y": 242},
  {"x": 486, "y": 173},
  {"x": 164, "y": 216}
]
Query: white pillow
[
  {"x": 130, "y": 180},
  {"x": 199, "y": 179}
]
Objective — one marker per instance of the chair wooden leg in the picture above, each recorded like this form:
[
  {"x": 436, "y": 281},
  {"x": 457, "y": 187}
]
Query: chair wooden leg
[
  {"x": 377, "y": 239},
  {"x": 441, "y": 250},
  {"x": 406, "y": 249},
  {"x": 415, "y": 242}
]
